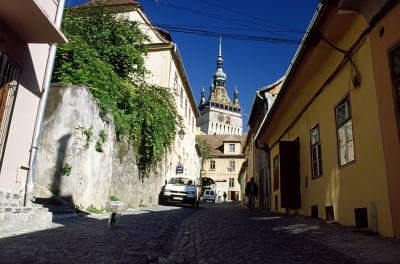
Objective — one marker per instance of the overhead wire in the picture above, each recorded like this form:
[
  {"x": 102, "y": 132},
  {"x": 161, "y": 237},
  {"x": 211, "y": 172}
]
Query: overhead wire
[
  {"x": 255, "y": 18},
  {"x": 214, "y": 16},
  {"x": 246, "y": 26}
]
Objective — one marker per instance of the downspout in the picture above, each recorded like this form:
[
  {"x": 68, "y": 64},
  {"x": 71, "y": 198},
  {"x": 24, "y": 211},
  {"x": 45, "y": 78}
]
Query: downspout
[{"x": 41, "y": 110}]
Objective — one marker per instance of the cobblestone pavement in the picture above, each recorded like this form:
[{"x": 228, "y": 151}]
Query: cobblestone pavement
[{"x": 213, "y": 233}]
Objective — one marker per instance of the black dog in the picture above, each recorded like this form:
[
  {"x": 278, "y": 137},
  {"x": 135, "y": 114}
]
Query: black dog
[{"x": 113, "y": 220}]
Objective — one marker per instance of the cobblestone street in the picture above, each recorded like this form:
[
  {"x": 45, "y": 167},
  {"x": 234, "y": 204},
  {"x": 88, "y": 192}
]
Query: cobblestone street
[{"x": 213, "y": 233}]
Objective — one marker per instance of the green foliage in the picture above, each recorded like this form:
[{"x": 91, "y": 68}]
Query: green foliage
[
  {"x": 204, "y": 148},
  {"x": 88, "y": 132},
  {"x": 66, "y": 169},
  {"x": 99, "y": 146},
  {"x": 117, "y": 41},
  {"x": 142, "y": 204},
  {"x": 113, "y": 198},
  {"x": 106, "y": 53},
  {"x": 103, "y": 136},
  {"x": 94, "y": 210},
  {"x": 155, "y": 123},
  {"x": 205, "y": 151}
]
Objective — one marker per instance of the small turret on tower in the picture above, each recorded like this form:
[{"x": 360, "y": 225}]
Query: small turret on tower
[
  {"x": 236, "y": 97},
  {"x": 202, "y": 96}
]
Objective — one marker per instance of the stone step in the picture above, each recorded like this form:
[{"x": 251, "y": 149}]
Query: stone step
[
  {"x": 54, "y": 205},
  {"x": 17, "y": 218}
]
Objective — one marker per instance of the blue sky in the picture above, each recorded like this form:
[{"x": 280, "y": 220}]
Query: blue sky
[{"x": 249, "y": 64}]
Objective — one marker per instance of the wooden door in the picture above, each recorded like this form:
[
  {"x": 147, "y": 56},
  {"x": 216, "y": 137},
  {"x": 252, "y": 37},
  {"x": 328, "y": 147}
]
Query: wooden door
[{"x": 290, "y": 174}]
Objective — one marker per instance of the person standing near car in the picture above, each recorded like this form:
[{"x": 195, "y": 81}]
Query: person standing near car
[{"x": 251, "y": 192}]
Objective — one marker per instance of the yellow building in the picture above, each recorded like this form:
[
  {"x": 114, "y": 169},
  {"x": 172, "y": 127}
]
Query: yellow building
[
  {"x": 333, "y": 131},
  {"x": 221, "y": 170},
  {"x": 256, "y": 152}
]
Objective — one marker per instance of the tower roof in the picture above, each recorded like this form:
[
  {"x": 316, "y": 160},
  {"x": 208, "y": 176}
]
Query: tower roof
[{"x": 220, "y": 74}]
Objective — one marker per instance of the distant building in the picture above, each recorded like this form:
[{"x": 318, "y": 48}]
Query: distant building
[
  {"x": 219, "y": 115},
  {"x": 221, "y": 122},
  {"x": 221, "y": 171},
  {"x": 256, "y": 152}
]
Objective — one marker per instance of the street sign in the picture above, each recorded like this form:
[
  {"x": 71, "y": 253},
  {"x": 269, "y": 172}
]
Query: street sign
[{"x": 179, "y": 168}]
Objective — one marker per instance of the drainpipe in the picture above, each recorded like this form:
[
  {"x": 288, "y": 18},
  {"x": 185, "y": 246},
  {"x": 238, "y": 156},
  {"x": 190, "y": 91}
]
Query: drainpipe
[{"x": 41, "y": 110}]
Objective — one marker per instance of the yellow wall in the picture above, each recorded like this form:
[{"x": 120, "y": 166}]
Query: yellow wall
[
  {"x": 381, "y": 44},
  {"x": 359, "y": 183},
  {"x": 221, "y": 172}
]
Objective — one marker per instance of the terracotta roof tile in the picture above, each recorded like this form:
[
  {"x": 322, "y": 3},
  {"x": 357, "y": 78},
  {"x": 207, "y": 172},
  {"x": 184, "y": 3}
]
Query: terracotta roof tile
[{"x": 217, "y": 141}]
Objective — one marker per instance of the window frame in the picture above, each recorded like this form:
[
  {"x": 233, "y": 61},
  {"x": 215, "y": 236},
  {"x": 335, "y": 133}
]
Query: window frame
[
  {"x": 231, "y": 180},
  {"x": 230, "y": 165},
  {"x": 212, "y": 165},
  {"x": 234, "y": 147},
  {"x": 276, "y": 169},
  {"x": 318, "y": 148},
  {"x": 344, "y": 100}
]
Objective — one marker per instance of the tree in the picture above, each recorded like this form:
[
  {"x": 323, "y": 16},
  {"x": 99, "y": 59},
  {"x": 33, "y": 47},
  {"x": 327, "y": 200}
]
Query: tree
[
  {"x": 106, "y": 53},
  {"x": 204, "y": 150}
]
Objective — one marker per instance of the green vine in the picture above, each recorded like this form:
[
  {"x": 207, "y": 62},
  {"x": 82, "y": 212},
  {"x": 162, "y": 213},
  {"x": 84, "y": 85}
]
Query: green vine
[
  {"x": 103, "y": 136},
  {"x": 66, "y": 169},
  {"x": 106, "y": 53},
  {"x": 88, "y": 132}
]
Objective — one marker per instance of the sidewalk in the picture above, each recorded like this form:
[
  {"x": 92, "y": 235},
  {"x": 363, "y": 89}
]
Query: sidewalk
[{"x": 359, "y": 244}]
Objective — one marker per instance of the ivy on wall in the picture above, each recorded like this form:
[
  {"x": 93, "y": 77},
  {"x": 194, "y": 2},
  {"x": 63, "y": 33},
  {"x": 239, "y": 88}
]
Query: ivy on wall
[{"x": 106, "y": 53}]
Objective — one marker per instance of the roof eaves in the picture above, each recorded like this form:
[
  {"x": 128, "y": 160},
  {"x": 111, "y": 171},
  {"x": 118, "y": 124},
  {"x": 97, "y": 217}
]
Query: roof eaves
[{"x": 297, "y": 57}]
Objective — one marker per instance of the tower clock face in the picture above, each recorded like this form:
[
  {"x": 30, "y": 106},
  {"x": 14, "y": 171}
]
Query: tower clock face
[{"x": 220, "y": 117}]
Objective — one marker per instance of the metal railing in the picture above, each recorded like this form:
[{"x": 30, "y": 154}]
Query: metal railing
[{"x": 8, "y": 90}]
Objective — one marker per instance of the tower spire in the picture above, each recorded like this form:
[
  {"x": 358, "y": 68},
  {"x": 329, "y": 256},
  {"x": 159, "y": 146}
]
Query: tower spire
[
  {"x": 220, "y": 47},
  {"x": 220, "y": 76}
]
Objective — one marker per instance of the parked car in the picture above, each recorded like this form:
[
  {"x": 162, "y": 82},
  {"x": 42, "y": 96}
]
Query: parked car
[
  {"x": 209, "y": 195},
  {"x": 181, "y": 190}
]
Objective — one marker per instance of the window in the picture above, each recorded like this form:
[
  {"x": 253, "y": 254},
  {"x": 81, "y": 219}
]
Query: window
[
  {"x": 276, "y": 172},
  {"x": 231, "y": 182},
  {"x": 231, "y": 147},
  {"x": 231, "y": 165},
  {"x": 212, "y": 164},
  {"x": 316, "y": 157},
  {"x": 8, "y": 91},
  {"x": 228, "y": 120},
  {"x": 395, "y": 70},
  {"x": 344, "y": 129}
]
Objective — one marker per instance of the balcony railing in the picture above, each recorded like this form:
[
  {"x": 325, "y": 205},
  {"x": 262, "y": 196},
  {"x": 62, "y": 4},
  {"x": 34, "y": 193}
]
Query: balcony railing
[{"x": 9, "y": 72}]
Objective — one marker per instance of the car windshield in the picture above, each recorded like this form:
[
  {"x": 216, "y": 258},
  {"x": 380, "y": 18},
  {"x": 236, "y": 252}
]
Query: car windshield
[{"x": 179, "y": 180}]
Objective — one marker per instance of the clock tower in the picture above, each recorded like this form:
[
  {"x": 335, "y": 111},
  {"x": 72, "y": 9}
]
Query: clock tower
[{"x": 219, "y": 115}]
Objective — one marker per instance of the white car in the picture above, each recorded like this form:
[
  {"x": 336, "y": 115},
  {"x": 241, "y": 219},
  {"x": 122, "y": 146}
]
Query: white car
[
  {"x": 209, "y": 195},
  {"x": 181, "y": 190}
]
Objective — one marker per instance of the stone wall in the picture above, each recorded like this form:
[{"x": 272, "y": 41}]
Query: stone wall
[{"x": 71, "y": 113}]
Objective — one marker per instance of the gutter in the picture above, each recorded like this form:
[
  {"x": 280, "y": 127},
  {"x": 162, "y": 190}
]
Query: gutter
[
  {"x": 316, "y": 17},
  {"x": 41, "y": 110}
]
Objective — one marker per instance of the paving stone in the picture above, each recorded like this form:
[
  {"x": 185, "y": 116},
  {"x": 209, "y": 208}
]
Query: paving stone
[{"x": 214, "y": 233}]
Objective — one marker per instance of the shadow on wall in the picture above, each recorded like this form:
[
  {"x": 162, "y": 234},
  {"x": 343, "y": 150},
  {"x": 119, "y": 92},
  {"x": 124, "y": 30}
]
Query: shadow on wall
[{"x": 59, "y": 169}]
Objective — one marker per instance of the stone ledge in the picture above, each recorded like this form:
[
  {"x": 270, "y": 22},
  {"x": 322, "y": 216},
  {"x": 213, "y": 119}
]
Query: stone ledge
[{"x": 17, "y": 218}]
